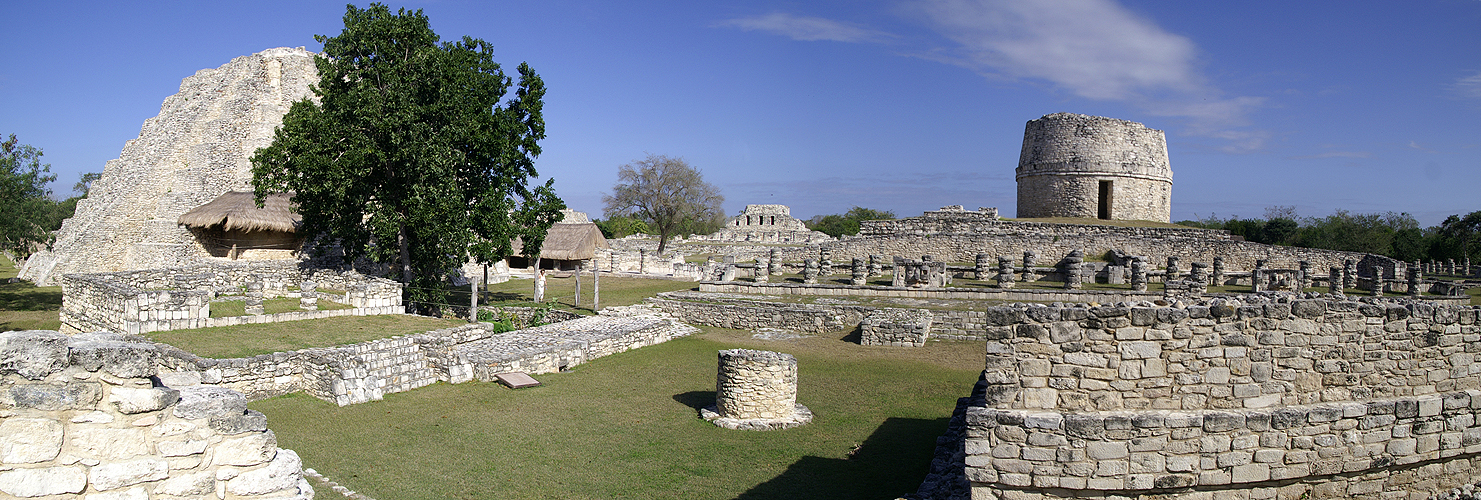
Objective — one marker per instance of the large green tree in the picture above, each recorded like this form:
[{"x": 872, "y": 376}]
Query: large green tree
[
  {"x": 837, "y": 225},
  {"x": 666, "y": 193},
  {"x": 412, "y": 155},
  {"x": 24, "y": 199}
]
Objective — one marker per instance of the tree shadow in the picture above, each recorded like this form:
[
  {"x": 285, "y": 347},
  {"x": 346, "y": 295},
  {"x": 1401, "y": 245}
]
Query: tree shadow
[
  {"x": 889, "y": 464},
  {"x": 854, "y": 336},
  {"x": 24, "y": 296},
  {"x": 696, "y": 399}
]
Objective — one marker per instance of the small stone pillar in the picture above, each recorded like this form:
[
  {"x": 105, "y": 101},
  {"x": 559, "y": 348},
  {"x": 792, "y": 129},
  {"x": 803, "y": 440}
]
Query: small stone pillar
[
  {"x": 1303, "y": 276},
  {"x": 1173, "y": 273},
  {"x": 1072, "y": 276},
  {"x": 308, "y": 296},
  {"x": 810, "y": 271},
  {"x": 727, "y": 272},
  {"x": 774, "y": 261},
  {"x": 1450, "y": 266},
  {"x": 1005, "y": 272},
  {"x": 1376, "y": 283},
  {"x": 1199, "y": 276},
  {"x": 983, "y": 268},
  {"x": 1138, "y": 274},
  {"x": 1029, "y": 258},
  {"x": 1334, "y": 280},
  {"x": 825, "y": 261},
  {"x": 756, "y": 390},
  {"x": 1414, "y": 279},
  {"x": 1218, "y": 277},
  {"x": 876, "y": 265},
  {"x": 642, "y": 261},
  {"x": 1257, "y": 277},
  {"x": 860, "y": 272},
  {"x": 254, "y": 298},
  {"x": 1349, "y": 274},
  {"x": 763, "y": 270}
]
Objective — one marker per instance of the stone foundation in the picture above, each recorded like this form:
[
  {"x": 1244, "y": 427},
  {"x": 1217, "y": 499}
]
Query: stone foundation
[{"x": 896, "y": 327}]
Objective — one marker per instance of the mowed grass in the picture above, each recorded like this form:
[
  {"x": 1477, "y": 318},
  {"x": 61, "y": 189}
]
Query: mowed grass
[
  {"x": 24, "y": 306},
  {"x": 626, "y": 426},
  {"x": 616, "y": 291},
  {"x": 229, "y": 308},
  {"x": 250, "y": 340}
]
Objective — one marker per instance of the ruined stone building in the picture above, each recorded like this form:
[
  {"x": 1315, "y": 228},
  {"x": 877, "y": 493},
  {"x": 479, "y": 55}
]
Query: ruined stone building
[
  {"x": 196, "y": 150},
  {"x": 767, "y": 223},
  {"x": 1075, "y": 165}
]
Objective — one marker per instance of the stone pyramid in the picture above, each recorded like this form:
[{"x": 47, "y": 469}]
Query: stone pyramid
[{"x": 195, "y": 150}]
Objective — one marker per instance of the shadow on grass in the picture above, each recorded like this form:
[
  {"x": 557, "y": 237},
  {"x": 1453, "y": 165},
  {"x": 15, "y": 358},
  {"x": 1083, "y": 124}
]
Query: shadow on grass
[
  {"x": 889, "y": 464},
  {"x": 28, "y": 297},
  {"x": 696, "y": 399}
]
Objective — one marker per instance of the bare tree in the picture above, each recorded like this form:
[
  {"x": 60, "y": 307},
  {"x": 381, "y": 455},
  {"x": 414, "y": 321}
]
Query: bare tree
[{"x": 666, "y": 192}]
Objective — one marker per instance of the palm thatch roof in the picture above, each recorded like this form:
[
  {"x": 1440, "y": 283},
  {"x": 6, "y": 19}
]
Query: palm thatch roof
[
  {"x": 569, "y": 242},
  {"x": 237, "y": 210}
]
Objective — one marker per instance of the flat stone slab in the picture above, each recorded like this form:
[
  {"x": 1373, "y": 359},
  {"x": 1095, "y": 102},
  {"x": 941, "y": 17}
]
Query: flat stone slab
[{"x": 517, "y": 380}]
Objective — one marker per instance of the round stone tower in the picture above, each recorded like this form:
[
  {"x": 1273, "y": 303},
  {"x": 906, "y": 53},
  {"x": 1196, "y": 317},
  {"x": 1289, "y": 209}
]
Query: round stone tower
[{"x": 1094, "y": 167}]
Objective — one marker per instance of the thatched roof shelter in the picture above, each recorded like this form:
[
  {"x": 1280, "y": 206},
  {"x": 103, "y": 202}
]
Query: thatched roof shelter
[
  {"x": 237, "y": 211},
  {"x": 570, "y": 242}
]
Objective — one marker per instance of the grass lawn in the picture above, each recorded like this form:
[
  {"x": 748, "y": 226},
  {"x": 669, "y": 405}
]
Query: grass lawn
[
  {"x": 250, "y": 340},
  {"x": 24, "y": 306},
  {"x": 229, "y": 308},
  {"x": 616, "y": 291},
  {"x": 626, "y": 426}
]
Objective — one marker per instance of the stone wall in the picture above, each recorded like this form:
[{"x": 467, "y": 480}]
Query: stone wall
[
  {"x": 152, "y": 300},
  {"x": 195, "y": 150},
  {"x": 960, "y": 236},
  {"x": 896, "y": 327},
  {"x": 85, "y": 416},
  {"x": 1067, "y": 157},
  {"x": 765, "y": 223},
  {"x": 1324, "y": 398},
  {"x": 367, "y": 371}
]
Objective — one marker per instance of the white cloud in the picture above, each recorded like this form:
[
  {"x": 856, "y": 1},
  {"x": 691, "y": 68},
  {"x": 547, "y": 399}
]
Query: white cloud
[
  {"x": 1095, "y": 49},
  {"x": 807, "y": 29},
  {"x": 1469, "y": 87}
]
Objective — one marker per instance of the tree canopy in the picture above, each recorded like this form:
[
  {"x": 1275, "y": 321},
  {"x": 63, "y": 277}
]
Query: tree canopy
[
  {"x": 836, "y": 225},
  {"x": 1393, "y": 234},
  {"x": 24, "y": 199},
  {"x": 411, "y": 155},
  {"x": 667, "y": 194}
]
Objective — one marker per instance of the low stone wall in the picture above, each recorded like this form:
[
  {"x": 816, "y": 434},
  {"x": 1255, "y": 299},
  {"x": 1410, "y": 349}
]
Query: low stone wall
[
  {"x": 367, "y": 371},
  {"x": 152, "y": 300},
  {"x": 80, "y": 416},
  {"x": 896, "y": 327},
  {"x": 748, "y": 313},
  {"x": 1321, "y": 398},
  {"x": 1003, "y": 294}
]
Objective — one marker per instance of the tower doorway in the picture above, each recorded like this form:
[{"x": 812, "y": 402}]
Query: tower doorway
[{"x": 1104, "y": 211}]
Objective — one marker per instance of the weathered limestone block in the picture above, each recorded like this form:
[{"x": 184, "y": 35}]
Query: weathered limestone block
[
  {"x": 860, "y": 272},
  {"x": 757, "y": 390},
  {"x": 32, "y": 354},
  {"x": 1005, "y": 272},
  {"x": 810, "y": 271},
  {"x": 896, "y": 327},
  {"x": 140, "y": 400},
  {"x": 876, "y": 265},
  {"x": 308, "y": 298},
  {"x": 119, "y": 474},
  {"x": 29, "y": 440},
  {"x": 283, "y": 473},
  {"x": 762, "y": 274},
  {"x": 983, "y": 267},
  {"x": 43, "y": 481}
]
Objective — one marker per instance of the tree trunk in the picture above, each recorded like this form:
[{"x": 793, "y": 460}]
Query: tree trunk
[{"x": 663, "y": 240}]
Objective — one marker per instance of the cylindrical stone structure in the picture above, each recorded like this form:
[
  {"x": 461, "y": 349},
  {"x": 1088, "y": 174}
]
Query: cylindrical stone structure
[
  {"x": 1377, "y": 280},
  {"x": 825, "y": 261},
  {"x": 860, "y": 272},
  {"x": 757, "y": 390},
  {"x": 1334, "y": 280},
  {"x": 1303, "y": 276},
  {"x": 253, "y": 303},
  {"x": 1349, "y": 274},
  {"x": 1005, "y": 272},
  {"x": 308, "y": 296},
  {"x": 763, "y": 270},
  {"x": 1414, "y": 279},
  {"x": 810, "y": 271},
  {"x": 1029, "y": 259},
  {"x": 1072, "y": 264},
  {"x": 876, "y": 265},
  {"x": 1173, "y": 271},
  {"x": 1199, "y": 276},
  {"x": 983, "y": 267},
  {"x": 774, "y": 261},
  {"x": 1138, "y": 274},
  {"x": 1218, "y": 277},
  {"x": 1075, "y": 165}
]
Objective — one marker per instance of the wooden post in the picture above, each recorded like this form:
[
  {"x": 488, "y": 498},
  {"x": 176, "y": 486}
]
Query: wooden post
[
  {"x": 577, "y": 301},
  {"x": 472, "y": 301},
  {"x": 596, "y": 289}
]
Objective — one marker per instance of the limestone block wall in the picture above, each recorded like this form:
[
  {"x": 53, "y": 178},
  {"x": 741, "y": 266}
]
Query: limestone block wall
[
  {"x": 84, "y": 417},
  {"x": 753, "y": 384},
  {"x": 196, "y": 149},
  {"x": 1066, "y": 157},
  {"x": 153, "y": 300},
  {"x": 1324, "y": 398},
  {"x": 960, "y": 236},
  {"x": 742, "y": 313},
  {"x": 896, "y": 327}
]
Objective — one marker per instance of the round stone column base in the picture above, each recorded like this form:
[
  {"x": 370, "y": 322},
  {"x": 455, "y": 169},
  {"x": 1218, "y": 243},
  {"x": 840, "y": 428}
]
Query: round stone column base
[{"x": 800, "y": 416}]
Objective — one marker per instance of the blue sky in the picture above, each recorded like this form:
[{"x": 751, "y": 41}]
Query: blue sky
[{"x": 907, "y": 106}]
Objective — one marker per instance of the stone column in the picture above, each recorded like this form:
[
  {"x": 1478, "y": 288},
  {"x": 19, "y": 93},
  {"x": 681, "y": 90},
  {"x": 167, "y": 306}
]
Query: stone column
[
  {"x": 308, "y": 296},
  {"x": 825, "y": 264},
  {"x": 897, "y": 273},
  {"x": 876, "y": 266},
  {"x": 1334, "y": 280},
  {"x": 1303, "y": 276},
  {"x": 810, "y": 271},
  {"x": 763, "y": 270},
  {"x": 1029, "y": 257},
  {"x": 642, "y": 261},
  {"x": 254, "y": 298},
  {"x": 1414, "y": 279},
  {"x": 1377, "y": 280},
  {"x": 1218, "y": 277},
  {"x": 1349, "y": 274},
  {"x": 1072, "y": 277},
  {"x": 1138, "y": 274},
  {"x": 757, "y": 390},
  {"x": 1257, "y": 277},
  {"x": 860, "y": 272},
  {"x": 1005, "y": 272},
  {"x": 1450, "y": 266},
  {"x": 1199, "y": 276},
  {"x": 1173, "y": 272},
  {"x": 727, "y": 272},
  {"x": 983, "y": 268}
]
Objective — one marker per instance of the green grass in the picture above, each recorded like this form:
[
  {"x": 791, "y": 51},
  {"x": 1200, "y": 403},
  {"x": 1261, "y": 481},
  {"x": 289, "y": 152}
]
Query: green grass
[
  {"x": 616, "y": 291},
  {"x": 626, "y": 426},
  {"x": 229, "y": 308},
  {"x": 24, "y": 306},
  {"x": 250, "y": 340}
]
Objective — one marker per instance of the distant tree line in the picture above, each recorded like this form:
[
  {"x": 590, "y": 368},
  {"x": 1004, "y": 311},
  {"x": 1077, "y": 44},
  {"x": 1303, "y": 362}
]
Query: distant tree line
[
  {"x": 847, "y": 223},
  {"x": 1393, "y": 234}
]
